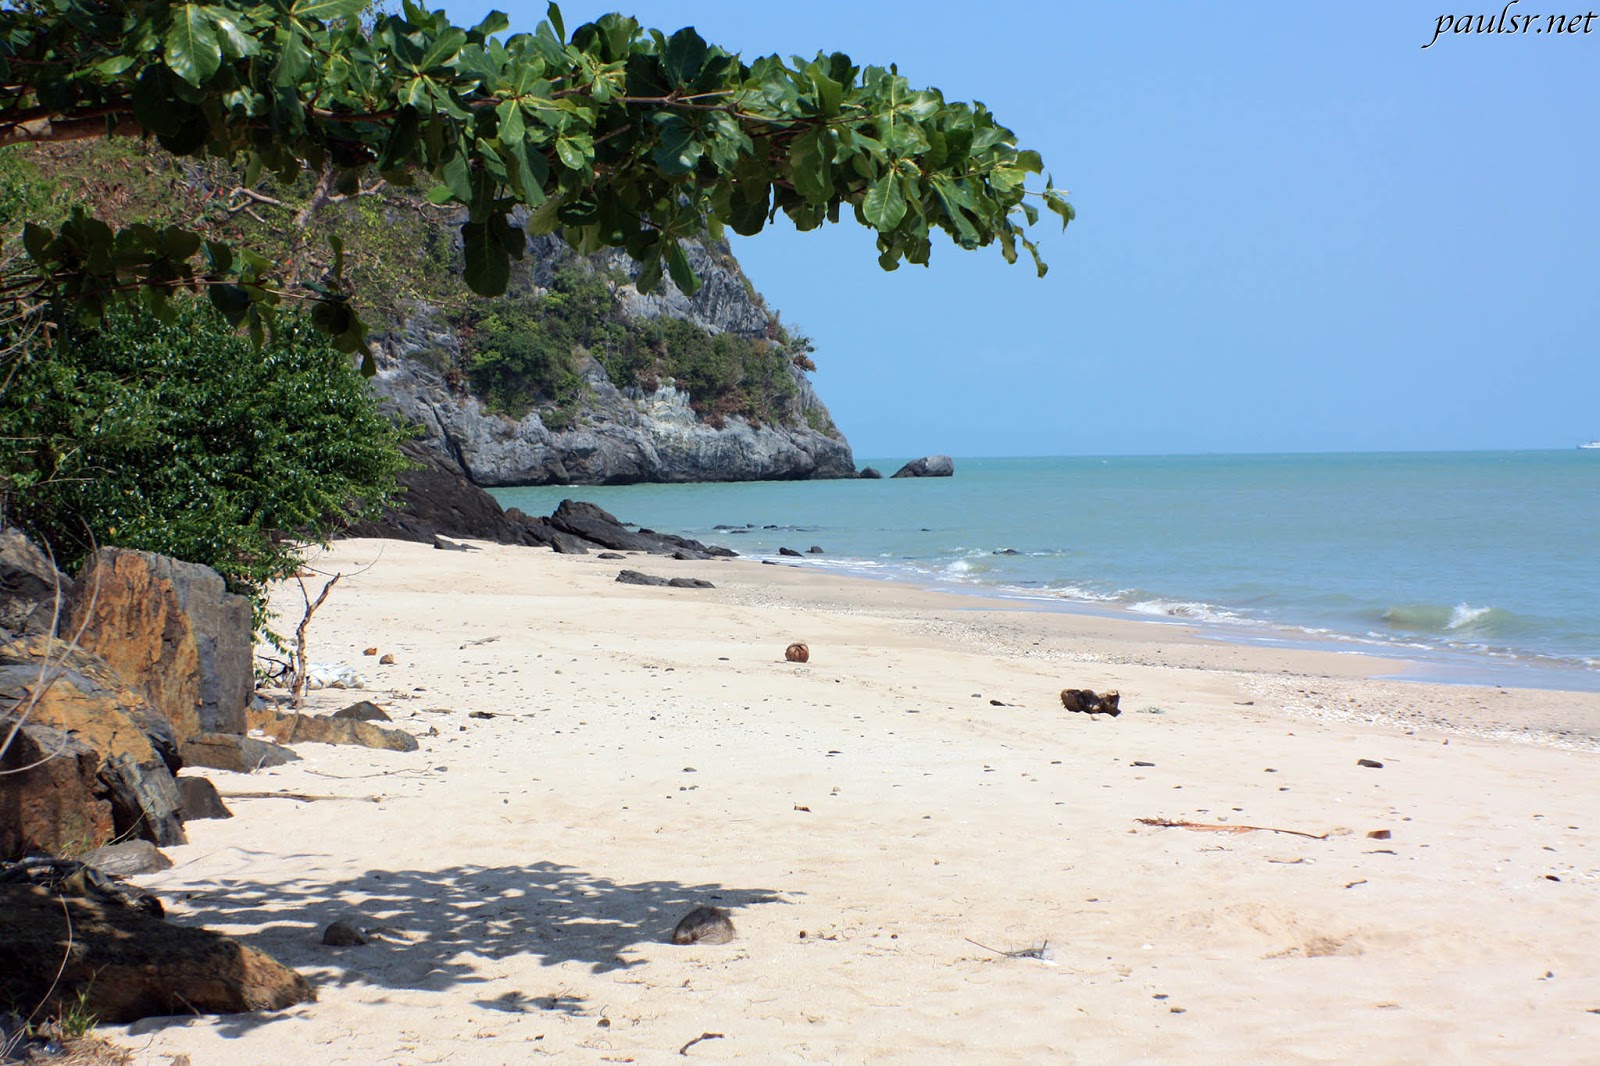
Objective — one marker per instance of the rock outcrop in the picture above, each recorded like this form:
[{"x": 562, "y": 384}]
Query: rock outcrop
[
  {"x": 928, "y": 466},
  {"x": 171, "y": 629},
  {"x": 91, "y": 760},
  {"x": 31, "y": 588},
  {"x": 437, "y": 498},
  {"x": 61, "y": 952},
  {"x": 329, "y": 729},
  {"x": 621, "y": 435}
]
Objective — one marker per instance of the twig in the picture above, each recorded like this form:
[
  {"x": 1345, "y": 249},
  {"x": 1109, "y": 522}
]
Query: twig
[
  {"x": 1167, "y": 823},
  {"x": 684, "y": 1050},
  {"x": 1024, "y": 953}
]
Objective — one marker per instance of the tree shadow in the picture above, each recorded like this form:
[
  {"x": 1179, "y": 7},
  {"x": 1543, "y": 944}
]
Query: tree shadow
[
  {"x": 430, "y": 929},
  {"x": 556, "y": 913}
]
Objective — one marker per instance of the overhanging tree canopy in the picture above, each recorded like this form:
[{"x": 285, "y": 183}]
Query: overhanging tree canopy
[{"x": 615, "y": 136}]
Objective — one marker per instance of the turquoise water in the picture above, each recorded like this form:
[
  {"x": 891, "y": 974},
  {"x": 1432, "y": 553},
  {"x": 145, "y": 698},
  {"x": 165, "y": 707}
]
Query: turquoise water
[{"x": 1480, "y": 567}]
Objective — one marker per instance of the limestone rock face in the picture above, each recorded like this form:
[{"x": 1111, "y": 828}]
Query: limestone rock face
[
  {"x": 622, "y": 435},
  {"x": 28, "y": 585},
  {"x": 127, "y": 964},
  {"x": 114, "y": 773},
  {"x": 928, "y": 466},
  {"x": 171, "y": 629}
]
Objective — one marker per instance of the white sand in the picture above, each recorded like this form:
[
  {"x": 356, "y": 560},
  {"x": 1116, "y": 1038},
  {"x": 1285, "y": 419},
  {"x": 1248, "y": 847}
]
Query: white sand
[{"x": 871, "y": 818}]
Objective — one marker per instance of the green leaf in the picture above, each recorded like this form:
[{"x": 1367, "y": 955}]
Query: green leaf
[
  {"x": 327, "y": 9},
  {"x": 441, "y": 194},
  {"x": 532, "y": 172},
  {"x": 37, "y": 240},
  {"x": 678, "y": 150},
  {"x": 512, "y": 127},
  {"x": 494, "y": 22},
  {"x": 457, "y": 175},
  {"x": 235, "y": 36},
  {"x": 571, "y": 152},
  {"x": 649, "y": 278},
  {"x": 685, "y": 54},
  {"x": 808, "y": 163},
  {"x": 115, "y": 65},
  {"x": 884, "y": 205},
  {"x": 830, "y": 94},
  {"x": 219, "y": 257},
  {"x": 443, "y": 49},
  {"x": 553, "y": 13},
  {"x": 682, "y": 273},
  {"x": 193, "y": 52},
  {"x": 487, "y": 268}
]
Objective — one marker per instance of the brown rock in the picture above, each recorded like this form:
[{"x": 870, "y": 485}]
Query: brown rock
[
  {"x": 365, "y": 711},
  {"x": 51, "y": 797},
  {"x": 230, "y": 751},
  {"x": 342, "y": 934},
  {"x": 797, "y": 653},
  {"x": 121, "y": 754},
  {"x": 126, "y": 965},
  {"x": 387, "y": 660},
  {"x": 370, "y": 651},
  {"x": 128, "y": 858},
  {"x": 704, "y": 925},
  {"x": 29, "y": 583},
  {"x": 1085, "y": 701},
  {"x": 329, "y": 729},
  {"x": 171, "y": 629},
  {"x": 201, "y": 799}
]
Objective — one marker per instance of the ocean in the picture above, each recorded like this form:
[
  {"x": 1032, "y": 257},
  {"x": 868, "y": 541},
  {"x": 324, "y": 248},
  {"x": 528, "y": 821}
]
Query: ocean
[{"x": 1475, "y": 567}]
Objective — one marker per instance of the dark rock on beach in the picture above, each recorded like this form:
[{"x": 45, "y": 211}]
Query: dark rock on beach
[
  {"x": 789, "y": 552},
  {"x": 63, "y": 952},
  {"x": 364, "y": 711},
  {"x": 231, "y": 751},
  {"x": 1087, "y": 701},
  {"x": 928, "y": 466},
  {"x": 201, "y": 800},
  {"x": 871, "y": 473},
  {"x": 634, "y": 577},
  {"x": 704, "y": 925},
  {"x": 128, "y": 859}
]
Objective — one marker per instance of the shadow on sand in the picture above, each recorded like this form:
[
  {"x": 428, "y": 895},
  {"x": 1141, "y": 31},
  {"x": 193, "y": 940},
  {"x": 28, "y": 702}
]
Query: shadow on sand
[{"x": 429, "y": 928}]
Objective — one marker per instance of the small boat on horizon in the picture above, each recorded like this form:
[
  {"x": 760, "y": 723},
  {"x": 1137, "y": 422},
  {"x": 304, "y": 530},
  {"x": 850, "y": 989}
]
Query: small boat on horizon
[{"x": 1591, "y": 444}]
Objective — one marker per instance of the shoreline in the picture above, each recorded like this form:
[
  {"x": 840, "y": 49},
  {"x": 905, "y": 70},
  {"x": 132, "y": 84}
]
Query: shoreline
[
  {"x": 1423, "y": 664},
  {"x": 894, "y": 826}
]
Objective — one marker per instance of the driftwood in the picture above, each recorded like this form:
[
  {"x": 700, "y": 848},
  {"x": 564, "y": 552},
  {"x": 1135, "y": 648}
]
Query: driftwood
[
  {"x": 300, "y": 796},
  {"x": 1167, "y": 823},
  {"x": 684, "y": 1050}
]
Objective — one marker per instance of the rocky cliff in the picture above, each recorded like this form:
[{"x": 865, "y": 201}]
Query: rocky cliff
[{"x": 615, "y": 433}]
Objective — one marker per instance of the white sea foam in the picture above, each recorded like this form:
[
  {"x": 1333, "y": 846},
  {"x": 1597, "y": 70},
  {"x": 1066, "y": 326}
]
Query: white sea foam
[
  {"x": 1200, "y": 612},
  {"x": 1465, "y": 617}
]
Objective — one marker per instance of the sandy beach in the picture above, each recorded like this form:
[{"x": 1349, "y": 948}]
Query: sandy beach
[{"x": 926, "y": 858}]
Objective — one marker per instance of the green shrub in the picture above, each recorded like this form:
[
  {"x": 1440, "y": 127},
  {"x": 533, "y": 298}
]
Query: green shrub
[{"x": 185, "y": 440}]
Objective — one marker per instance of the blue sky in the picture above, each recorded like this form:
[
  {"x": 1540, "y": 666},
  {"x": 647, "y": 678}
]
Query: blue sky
[{"x": 1298, "y": 230}]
